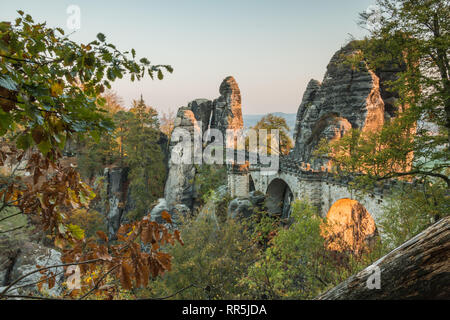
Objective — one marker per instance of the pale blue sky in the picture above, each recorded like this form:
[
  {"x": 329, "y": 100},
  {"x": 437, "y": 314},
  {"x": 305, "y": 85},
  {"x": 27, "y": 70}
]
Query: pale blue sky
[{"x": 272, "y": 48}]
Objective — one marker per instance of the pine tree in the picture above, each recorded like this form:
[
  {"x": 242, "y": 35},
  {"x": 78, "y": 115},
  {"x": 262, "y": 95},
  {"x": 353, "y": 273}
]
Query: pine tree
[{"x": 144, "y": 157}]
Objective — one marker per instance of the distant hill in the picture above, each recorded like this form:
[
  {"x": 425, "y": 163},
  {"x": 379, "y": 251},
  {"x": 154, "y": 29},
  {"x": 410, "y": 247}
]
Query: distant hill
[{"x": 251, "y": 119}]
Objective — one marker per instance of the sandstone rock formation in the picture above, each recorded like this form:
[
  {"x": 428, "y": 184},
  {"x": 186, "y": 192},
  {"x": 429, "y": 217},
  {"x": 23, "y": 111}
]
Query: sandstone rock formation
[
  {"x": 347, "y": 98},
  {"x": 18, "y": 258},
  {"x": 199, "y": 115},
  {"x": 350, "y": 227},
  {"x": 245, "y": 207}
]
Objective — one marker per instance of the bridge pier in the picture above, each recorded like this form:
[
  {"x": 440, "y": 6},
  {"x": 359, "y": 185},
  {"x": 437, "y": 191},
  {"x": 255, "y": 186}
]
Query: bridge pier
[{"x": 238, "y": 181}]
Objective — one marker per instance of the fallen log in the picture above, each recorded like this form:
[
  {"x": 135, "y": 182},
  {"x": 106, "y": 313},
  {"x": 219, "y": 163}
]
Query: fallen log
[{"x": 418, "y": 269}]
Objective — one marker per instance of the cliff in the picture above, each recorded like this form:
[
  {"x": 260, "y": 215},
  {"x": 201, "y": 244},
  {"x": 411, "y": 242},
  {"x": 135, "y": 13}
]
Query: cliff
[
  {"x": 222, "y": 113},
  {"x": 348, "y": 97}
]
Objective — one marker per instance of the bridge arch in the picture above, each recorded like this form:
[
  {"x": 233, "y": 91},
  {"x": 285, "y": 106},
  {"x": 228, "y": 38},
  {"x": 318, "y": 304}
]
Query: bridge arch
[
  {"x": 350, "y": 227},
  {"x": 279, "y": 197},
  {"x": 251, "y": 183}
]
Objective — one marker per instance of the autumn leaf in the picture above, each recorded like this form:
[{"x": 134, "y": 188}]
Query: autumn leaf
[
  {"x": 146, "y": 234},
  {"x": 166, "y": 216},
  {"x": 125, "y": 276},
  {"x": 177, "y": 236},
  {"x": 102, "y": 236}
]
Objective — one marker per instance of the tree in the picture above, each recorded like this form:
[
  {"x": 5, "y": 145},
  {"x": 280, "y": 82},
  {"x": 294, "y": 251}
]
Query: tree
[
  {"x": 415, "y": 270},
  {"x": 210, "y": 264},
  {"x": 418, "y": 31},
  {"x": 50, "y": 90},
  {"x": 167, "y": 123},
  {"x": 208, "y": 177},
  {"x": 93, "y": 156},
  {"x": 145, "y": 157},
  {"x": 113, "y": 102},
  {"x": 49, "y": 85},
  {"x": 297, "y": 263},
  {"x": 122, "y": 120},
  {"x": 272, "y": 122},
  {"x": 412, "y": 37},
  {"x": 411, "y": 210}
]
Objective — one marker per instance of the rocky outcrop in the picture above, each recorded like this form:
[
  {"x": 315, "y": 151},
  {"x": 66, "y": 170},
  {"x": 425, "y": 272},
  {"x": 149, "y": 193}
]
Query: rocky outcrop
[
  {"x": 199, "y": 115},
  {"x": 349, "y": 97},
  {"x": 179, "y": 186},
  {"x": 18, "y": 258},
  {"x": 156, "y": 213},
  {"x": 119, "y": 200},
  {"x": 117, "y": 193},
  {"x": 245, "y": 207}
]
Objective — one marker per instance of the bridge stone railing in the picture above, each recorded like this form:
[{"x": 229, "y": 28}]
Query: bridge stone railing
[{"x": 308, "y": 172}]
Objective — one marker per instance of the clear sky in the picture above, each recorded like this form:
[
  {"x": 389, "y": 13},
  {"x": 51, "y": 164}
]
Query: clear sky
[{"x": 272, "y": 48}]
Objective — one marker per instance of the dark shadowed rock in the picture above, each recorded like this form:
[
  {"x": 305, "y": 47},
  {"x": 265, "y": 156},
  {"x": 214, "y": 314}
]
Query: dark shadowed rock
[{"x": 116, "y": 180}]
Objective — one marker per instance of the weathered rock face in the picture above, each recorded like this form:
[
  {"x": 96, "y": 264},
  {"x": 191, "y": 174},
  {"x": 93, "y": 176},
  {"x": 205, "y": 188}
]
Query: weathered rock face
[
  {"x": 116, "y": 180},
  {"x": 18, "y": 258},
  {"x": 350, "y": 227},
  {"x": 119, "y": 198},
  {"x": 227, "y": 110},
  {"x": 201, "y": 114},
  {"x": 179, "y": 186},
  {"x": 347, "y": 98}
]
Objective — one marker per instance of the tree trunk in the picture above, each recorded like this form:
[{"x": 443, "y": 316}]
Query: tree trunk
[{"x": 418, "y": 269}]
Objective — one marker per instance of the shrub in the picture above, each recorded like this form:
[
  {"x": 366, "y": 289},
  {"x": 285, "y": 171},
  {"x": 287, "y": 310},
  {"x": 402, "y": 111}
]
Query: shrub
[{"x": 213, "y": 259}]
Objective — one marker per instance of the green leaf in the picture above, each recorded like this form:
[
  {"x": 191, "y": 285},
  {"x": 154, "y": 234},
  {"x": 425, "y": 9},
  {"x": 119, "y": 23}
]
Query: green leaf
[
  {"x": 95, "y": 134},
  {"x": 28, "y": 18},
  {"x": 61, "y": 139},
  {"x": 76, "y": 231},
  {"x": 45, "y": 146},
  {"x": 169, "y": 69},
  {"x": 160, "y": 75},
  {"x": 24, "y": 141}
]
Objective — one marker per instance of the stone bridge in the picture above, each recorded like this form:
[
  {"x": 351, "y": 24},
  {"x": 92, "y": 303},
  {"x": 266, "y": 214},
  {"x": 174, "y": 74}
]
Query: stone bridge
[{"x": 297, "y": 180}]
